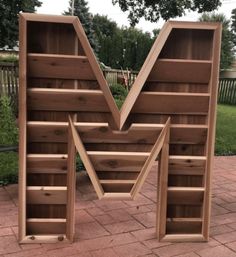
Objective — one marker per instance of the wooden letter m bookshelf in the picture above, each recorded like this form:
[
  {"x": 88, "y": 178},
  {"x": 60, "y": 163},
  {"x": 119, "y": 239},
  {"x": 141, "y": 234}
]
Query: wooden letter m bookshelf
[{"x": 65, "y": 106}]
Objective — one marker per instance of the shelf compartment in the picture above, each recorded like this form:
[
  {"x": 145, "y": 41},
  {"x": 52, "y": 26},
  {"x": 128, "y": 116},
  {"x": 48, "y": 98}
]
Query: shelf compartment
[
  {"x": 119, "y": 175},
  {"x": 59, "y": 66},
  {"x": 36, "y": 226},
  {"x": 117, "y": 161},
  {"x": 187, "y": 165},
  {"x": 47, "y": 163},
  {"x": 185, "y": 195},
  {"x": 57, "y": 211},
  {"x": 183, "y": 226},
  {"x": 66, "y": 100},
  {"x": 46, "y": 195},
  {"x": 185, "y": 180},
  {"x": 175, "y": 103},
  {"x": 181, "y": 71},
  {"x": 52, "y": 179}
]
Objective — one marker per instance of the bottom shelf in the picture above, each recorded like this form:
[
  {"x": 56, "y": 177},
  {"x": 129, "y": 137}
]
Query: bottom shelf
[{"x": 183, "y": 225}]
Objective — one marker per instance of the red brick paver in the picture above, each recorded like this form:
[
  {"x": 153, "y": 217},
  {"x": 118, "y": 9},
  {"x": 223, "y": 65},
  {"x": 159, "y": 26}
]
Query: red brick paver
[{"x": 127, "y": 228}]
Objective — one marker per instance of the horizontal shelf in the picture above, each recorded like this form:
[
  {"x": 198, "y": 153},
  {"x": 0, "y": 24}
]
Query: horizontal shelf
[
  {"x": 44, "y": 239},
  {"x": 46, "y": 195},
  {"x": 102, "y": 133},
  {"x": 66, "y": 100},
  {"x": 198, "y": 237},
  {"x": 118, "y": 161},
  {"x": 92, "y": 132},
  {"x": 181, "y": 70},
  {"x": 184, "y": 219},
  {"x": 59, "y": 66},
  {"x": 176, "y": 103},
  {"x": 46, "y": 163},
  {"x": 185, "y": 195},
  {"x": 106, "y": 153},
  {"x": 42, "y": 226},
  {"x": 117, "y": 181},
  {"x": 187, "y": 165},
  {"x": 117, "y": 196}
]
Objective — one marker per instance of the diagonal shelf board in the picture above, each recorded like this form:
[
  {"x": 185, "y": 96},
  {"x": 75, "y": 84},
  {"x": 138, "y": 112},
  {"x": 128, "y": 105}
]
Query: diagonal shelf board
[
  {"x": 100, "y": 186},
  {"x": 59, "y": 76}
]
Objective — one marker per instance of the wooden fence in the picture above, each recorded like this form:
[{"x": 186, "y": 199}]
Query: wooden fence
[
  {"x": 9, "y": 79},
  {"x": 114, "y": 76},
  {"x": 227, "y": 91}
]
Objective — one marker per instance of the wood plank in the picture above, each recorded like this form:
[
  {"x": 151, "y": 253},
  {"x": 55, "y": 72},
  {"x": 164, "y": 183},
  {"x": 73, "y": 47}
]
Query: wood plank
[
  {"x": 22, "y": 125},
  {"x": 46, "y": 163},
  {"x": 181, "y": 70},
  {"x": 92, "y": 132},
  {"x": 46, "y": 195},
  {"x": 66, "y": 100},
  {"x": 59, "y": 66},
  {"x": 162, "y": 184},
  {"x": 184, "y": 238},
  {"x": 184, "y": 226},
  {"x": 97, "y": 71},
  {"x": 185, "y": 195},
  {"x": 192, "y": 165},
  {"x": 86, "y": 161},
  {"x": 49, "y": 226},
  {"x": 175, "y": 103},
  {"x": 117, "y": 181},
  {"x": 119, "y": 175},
  {"x": 212, "y": 127},
  {"x": 117, "y": 161},
  {"x": 43, "y": 239},
  {"x": 71, "y": 185},
  {"x": 161, "y": 140},
  {"x": 48, "y": 18},
  {"x": 117, "y": 196},
  {"x": 144, "y": 72}
]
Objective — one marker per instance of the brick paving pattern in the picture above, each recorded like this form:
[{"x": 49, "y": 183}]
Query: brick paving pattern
[{"x": 127, "y": 228}]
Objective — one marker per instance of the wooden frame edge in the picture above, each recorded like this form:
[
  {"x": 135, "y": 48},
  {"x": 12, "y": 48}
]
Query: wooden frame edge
[
  {"x": 87, "y": 163},
  {"x": 183, "y": 238},
  {"x": 41, "y": 239},
  {"x": 211, "y": 127},
  {"x": 48, "y": 18},
  {"x": 97, "y": 71},
  {"x": 22, "y": 127},
  {"x": 144, "y": 72}
]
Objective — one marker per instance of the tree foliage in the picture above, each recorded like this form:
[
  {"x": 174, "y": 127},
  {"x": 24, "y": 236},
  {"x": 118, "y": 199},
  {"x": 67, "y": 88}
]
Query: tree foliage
[
  {"x": 9, "y": 11},
  {"x": 233, "y": 25},
  {"x": 121, "y": 47},
  {"x": 81, "y": 10},
  {"x": 153, "y": 10},
  {"x": 227, "y": 51}
]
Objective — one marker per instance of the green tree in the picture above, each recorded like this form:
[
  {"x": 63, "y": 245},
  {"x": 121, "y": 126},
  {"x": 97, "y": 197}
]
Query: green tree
[
  {"x": 9, "y": 11},
  {"x": 8, "y": 129},
  {"x": 153, "y": 10},
  {"x": 227, "y": 51},
  {"x": 81, "y": 10},
  {"x": 121, "y": 47},
  {"x": 233, "y": 25}
]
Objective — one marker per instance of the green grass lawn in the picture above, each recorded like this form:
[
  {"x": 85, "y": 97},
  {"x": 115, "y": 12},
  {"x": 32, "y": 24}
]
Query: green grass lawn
[{"x": 226, "y": 130}]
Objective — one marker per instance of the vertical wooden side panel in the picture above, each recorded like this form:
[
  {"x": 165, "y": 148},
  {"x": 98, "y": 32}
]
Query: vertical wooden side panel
[
  {"x": 211, "y": 131},
  {"x": 162, "y": 188},
  {"x": 71, "y": 187},
  {"x": 22, "y": 128}
]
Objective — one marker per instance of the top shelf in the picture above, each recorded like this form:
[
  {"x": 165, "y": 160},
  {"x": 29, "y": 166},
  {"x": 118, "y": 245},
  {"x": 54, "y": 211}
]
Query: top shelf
[{"x": 181, "y": 71}]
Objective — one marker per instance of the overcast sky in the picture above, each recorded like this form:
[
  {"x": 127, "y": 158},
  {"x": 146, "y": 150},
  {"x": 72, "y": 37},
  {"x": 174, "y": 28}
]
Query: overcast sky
[{"x": 105, "y": 7}]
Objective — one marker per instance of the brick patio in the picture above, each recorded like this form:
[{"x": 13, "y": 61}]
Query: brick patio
[{"x": 127, "y": 228}]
